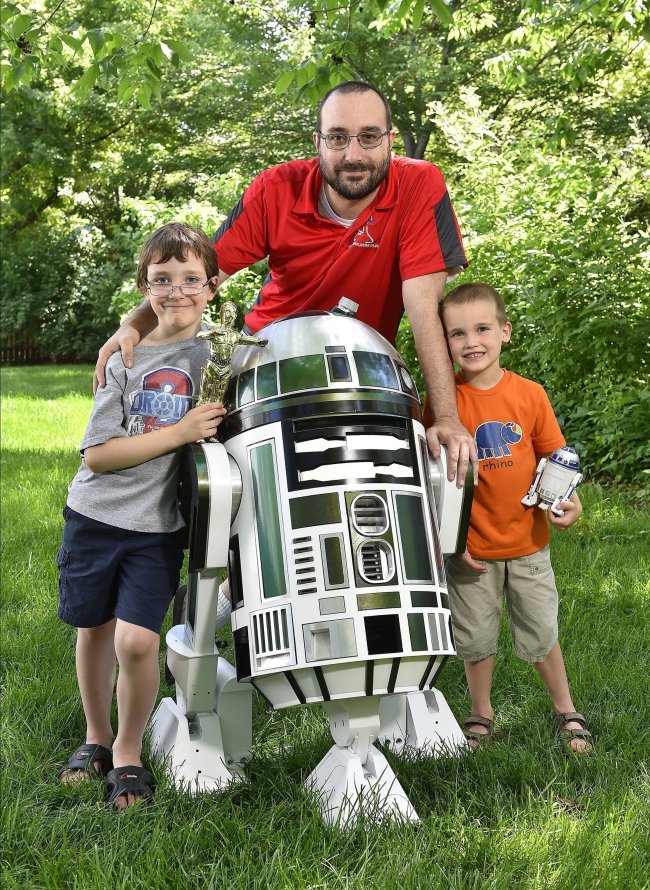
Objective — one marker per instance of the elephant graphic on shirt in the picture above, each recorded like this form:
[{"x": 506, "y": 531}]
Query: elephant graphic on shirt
[{"x": 493, "y": 438}]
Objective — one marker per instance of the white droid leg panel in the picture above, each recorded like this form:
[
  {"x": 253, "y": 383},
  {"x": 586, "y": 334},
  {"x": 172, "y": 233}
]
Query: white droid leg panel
[
  {"x": 206, "y": 752},
  {"x": 420, "y": 721},
  {"x": 187, "y": 736},
  {"x": 354, "y": 779},
  {"x": 190, "y": 750}
]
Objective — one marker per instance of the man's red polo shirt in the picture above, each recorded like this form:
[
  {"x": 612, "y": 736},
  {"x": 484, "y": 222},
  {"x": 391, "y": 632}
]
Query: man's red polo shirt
[{"x": 409, "y": 230}]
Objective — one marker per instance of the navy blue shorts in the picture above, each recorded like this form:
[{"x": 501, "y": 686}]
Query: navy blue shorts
[{"x": 107, "y": 572}]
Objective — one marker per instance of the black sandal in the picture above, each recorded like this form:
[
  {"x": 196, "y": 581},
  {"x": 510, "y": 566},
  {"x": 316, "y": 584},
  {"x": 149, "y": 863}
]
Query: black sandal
[
  {"x": 85, "y": 757},
  {"x": 129, "y": 780}
]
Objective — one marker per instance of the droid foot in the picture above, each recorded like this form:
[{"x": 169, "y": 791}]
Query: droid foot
[{"x": 349, "y": 790}]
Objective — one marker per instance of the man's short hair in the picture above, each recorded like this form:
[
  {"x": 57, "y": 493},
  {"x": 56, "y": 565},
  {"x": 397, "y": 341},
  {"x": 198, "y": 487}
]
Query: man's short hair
[
  {"x": 353, "y": 86},
  {"x": 176, "y": 240},
  {"x": 474, "y": 292}
]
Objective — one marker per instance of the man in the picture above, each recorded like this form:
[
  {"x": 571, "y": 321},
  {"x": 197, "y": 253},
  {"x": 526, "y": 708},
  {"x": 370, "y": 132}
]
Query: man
[{"x": 354, "y": 222}]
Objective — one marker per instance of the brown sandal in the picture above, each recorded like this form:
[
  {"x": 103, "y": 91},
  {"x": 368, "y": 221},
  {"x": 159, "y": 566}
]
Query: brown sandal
[
  {"x": 476, "y": 739},
  {"x": 567, "y": 735}
]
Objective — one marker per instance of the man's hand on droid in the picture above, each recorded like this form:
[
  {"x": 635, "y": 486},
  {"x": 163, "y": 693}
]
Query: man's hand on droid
[
  {"x": 125, "y": 338},
  {"x": 461, "y": 449}
]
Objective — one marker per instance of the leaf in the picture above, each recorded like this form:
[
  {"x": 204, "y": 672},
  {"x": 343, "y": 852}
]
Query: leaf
[
  {"x": 20, "y": 24},
  {"x": 125, "y": 89},
  {"x": 144, "y": 96},
  {"x": 96, "y": 39},
  {"x": 284, "y": 82},
  {"x": 181, "y": 48},
  {"x": 73, "y": 42},
  {"x": 418, "y": 12},
  {"x": 442, "y": 12},
  {"x": 155, "y": 70},
  {"x": 87, "y": 80},
  {"x": 7, "y": 11}
]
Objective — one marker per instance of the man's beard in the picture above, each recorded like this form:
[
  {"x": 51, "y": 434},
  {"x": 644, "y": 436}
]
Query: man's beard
[{"x": 354, "y": 191}]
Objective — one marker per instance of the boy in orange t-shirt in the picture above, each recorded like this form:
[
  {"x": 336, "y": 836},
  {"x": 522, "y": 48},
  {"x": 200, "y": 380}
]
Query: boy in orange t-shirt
[{"x": 508, "y": 544}]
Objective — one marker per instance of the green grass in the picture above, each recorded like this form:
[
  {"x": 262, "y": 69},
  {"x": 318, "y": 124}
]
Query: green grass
[{"x": 517, "y": 814}]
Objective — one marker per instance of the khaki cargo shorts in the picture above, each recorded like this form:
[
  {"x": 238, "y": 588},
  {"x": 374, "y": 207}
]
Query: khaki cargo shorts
[{"x": 476, "y": 603}]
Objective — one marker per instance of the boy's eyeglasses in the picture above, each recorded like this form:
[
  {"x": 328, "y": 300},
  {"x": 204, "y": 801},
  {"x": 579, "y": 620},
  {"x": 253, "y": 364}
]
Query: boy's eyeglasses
[
  {"x": 166, "y": 290},
  {"x": 340, "y": 141}
]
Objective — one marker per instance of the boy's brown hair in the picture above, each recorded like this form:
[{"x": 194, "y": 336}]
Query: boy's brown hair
[
  {"x": 176, "y": 240},
  {"x": 472, "y": 292}
]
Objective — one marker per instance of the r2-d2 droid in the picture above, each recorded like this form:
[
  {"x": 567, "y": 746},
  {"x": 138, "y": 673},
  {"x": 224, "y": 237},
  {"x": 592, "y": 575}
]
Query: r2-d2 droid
[
  {"x": 556, "y": 478},
  {"x": 332, "y": 518}
]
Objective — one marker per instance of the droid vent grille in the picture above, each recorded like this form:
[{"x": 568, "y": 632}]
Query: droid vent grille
[
  {"x": 303, "y": 557},
  {"x": 369, "y": 515},
  {"x": 376, "y": 561},
  {"x": 270, "y": 631}
]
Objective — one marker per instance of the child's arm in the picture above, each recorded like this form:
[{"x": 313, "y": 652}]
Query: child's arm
[
  {"x": 472, "y": 564},
  {"x": 129, "y": 451},
  {"x": 572, "y": 512}
]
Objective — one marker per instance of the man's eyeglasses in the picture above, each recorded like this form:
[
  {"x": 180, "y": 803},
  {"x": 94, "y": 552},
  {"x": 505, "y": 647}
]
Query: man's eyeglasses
[
  {"x": 340, "y": 141},
  {"x": 166, "y": 290}
]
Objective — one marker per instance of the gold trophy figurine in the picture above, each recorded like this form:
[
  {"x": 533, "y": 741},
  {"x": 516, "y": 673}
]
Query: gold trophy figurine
[{"x": 224, "y": 339}]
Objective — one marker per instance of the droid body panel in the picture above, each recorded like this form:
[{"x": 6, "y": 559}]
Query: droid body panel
[
  {"x": 334, "y": 558},
  {"x": 556, "y": 479}
]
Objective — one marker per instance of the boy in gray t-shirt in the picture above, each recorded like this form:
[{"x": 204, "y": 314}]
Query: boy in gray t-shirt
[{"x": 122, "y": 546}]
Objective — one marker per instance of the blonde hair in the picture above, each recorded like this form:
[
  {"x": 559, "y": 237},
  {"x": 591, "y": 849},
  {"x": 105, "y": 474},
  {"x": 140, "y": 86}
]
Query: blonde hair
[{"x": 473, "y": 292}]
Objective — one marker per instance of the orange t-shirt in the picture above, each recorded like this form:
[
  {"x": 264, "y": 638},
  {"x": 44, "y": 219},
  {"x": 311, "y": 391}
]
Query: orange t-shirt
[{"x": 511, "y": 423}]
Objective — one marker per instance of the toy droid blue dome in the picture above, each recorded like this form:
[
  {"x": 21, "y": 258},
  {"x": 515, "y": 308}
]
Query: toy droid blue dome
[{"x": 334, "y": 537}]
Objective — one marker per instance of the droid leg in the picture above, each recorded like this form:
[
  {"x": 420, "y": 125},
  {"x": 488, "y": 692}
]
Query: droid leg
[
  {"x": 420, "y": 721},
  {"x": 354, "y": 778},
  {"x": 204, "y": 736},
  {"x": 531, "y": 498}
]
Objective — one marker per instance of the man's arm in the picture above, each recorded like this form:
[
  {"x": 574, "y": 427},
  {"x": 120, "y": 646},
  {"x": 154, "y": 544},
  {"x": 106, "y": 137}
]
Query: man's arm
[
  {"x": 137, "y": 325},
  {"x": 421, "y": 297}
]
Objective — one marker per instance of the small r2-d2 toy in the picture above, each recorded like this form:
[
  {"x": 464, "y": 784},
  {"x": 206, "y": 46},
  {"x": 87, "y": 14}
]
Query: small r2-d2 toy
[
  {"x": 556, "y": 478},
  {"x": 323, "y": 501}
]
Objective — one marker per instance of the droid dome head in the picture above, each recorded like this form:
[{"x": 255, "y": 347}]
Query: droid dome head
[
  {"x": 566, "y": 457},
  {"x": 310, "y": 357}
]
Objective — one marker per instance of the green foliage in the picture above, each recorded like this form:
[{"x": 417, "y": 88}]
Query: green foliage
[
  {"x": 565, "y": 238},
  {"x": 107, "y": 55}
]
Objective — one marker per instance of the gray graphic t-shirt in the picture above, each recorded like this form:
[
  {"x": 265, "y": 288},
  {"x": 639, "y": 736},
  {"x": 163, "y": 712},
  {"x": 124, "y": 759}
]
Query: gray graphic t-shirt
[{"x": 158, "y": 391}]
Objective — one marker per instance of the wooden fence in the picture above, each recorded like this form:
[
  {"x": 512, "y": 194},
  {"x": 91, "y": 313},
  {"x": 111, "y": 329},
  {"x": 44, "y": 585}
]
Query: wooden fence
[{"x": 17, "y": 349}]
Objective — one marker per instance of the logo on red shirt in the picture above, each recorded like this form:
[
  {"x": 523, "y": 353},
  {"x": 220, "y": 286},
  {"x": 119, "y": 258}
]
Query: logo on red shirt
[{"x": 363, "y": 238}]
